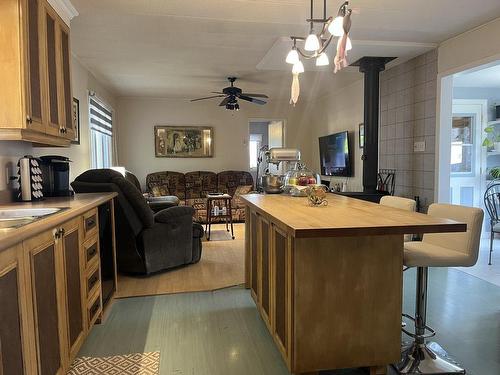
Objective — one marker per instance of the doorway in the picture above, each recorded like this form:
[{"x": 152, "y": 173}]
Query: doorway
[
  {"x": 467, "y": 155},
  {"x": 264, "y": 133}
]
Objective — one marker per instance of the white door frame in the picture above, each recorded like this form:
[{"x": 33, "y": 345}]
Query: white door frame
[
  {"x": 443, "y": 126},
  {"x": 478, "y": 107}
]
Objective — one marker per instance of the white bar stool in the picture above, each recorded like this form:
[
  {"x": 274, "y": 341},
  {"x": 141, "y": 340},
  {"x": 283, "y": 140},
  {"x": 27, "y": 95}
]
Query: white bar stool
[
  {"x": 437, "y": 250},
  {"x": 401, "y": 203}
]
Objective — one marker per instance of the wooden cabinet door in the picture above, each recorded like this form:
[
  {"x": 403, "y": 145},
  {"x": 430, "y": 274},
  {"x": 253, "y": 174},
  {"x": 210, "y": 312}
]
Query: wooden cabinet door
[
  {"x": 14, "y": 339},
  {"x": 74, "y": 289},
  {"x": 254, "y": 257},
  {"x": 282, "y": 290},
  {"x": 35, "y": 93},
  {"x": 48, "y": 310},
  {"x": 52, "y": 36},
  {"x": 67, "y": 96},
  {"x": 264, "y": 233}
]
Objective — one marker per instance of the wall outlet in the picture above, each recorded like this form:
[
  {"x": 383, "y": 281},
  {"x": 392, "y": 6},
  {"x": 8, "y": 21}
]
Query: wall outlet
[{"x": 419, "y": 146}]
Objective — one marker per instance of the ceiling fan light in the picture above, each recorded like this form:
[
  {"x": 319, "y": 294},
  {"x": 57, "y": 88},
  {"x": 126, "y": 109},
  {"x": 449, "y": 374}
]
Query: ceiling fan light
[
  {"x": 336, "y": 27},
  {"x": 237, "y": 107},
  {"x": 322, "y": 60},
  {"x": 298, "y": 68},
  {"x": 312, "y": 42},
  {"x": 348, "y": 45},
  {"x": 293, "y": 56}
]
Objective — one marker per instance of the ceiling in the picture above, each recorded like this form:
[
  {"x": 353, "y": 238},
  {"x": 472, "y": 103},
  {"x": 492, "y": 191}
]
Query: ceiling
[
  {"x": 180, "y": 48},
  {"x": 484, "y": 77}
]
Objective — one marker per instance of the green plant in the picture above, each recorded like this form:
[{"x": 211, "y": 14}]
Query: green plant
[
  {"x": 495, "y": 172},
  {"x": 492, "y": 136}
]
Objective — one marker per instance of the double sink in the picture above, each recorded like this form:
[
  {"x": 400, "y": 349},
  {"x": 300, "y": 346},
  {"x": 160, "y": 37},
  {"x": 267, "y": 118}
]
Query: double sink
[{"x": 12, "y": 218}]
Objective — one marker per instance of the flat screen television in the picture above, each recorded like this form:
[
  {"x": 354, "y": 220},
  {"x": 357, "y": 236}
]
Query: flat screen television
[{"x": 334, "y": 153}]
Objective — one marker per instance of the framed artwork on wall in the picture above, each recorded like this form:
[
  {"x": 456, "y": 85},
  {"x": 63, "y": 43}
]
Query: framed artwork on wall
[
  {"x": 361, "y": 135},
  {"x": 76, "y": 121},
  {"x": 184, "y": 141}
]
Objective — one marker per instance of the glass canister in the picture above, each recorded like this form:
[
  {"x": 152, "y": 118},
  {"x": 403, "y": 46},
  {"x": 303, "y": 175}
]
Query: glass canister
[{"x": 298, "y": 178}]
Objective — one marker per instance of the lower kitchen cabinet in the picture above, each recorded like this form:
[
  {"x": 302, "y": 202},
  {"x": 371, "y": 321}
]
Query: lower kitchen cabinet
[
  {"x": 50, "y": 296},
  {"x": 14, "y": 350}
]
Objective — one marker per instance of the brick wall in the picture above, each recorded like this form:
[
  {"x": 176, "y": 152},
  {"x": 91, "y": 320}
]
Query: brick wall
[{"x": 408, "y": 115}]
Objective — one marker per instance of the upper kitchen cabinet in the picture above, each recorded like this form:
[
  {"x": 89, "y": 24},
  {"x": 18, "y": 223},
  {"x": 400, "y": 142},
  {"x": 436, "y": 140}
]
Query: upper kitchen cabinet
[{"x": 36, "y": 97}]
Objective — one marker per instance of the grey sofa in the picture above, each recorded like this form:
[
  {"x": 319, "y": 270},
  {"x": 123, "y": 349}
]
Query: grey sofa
[{"x": 147, "y": 242}]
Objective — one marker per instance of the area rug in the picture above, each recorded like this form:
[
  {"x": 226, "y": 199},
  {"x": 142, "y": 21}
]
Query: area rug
[
  {"x": 222, "y": 265},
  {"x": 127, "y": 364}
]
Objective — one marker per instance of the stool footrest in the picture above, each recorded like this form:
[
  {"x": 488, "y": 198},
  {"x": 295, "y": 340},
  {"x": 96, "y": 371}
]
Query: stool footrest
[{"x": 414, "y": 335}]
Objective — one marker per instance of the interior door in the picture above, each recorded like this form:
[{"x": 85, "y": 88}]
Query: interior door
[{"x": 468, "y": 157}]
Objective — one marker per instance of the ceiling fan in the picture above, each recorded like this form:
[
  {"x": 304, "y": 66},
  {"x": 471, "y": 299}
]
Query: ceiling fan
[{"x": 231, "y": 95}]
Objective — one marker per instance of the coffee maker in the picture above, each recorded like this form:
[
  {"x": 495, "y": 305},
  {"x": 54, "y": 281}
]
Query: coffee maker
[{"x": 55, "y": 176}]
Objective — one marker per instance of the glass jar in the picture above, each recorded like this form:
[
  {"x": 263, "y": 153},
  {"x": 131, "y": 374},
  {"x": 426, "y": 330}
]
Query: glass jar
[{"x": 298, "y": 178}]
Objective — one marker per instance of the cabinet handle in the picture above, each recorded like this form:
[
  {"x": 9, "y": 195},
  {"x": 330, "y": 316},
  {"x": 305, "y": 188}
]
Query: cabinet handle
[
  {"x": 91, "y": 252},
  {"x": 90, "y": 223},
  {"x": 62, "y": 231},
  {"x": 29, "y": 120},
  {"x": 56, "y": 233},
  {"x": 92, "y": 281}
]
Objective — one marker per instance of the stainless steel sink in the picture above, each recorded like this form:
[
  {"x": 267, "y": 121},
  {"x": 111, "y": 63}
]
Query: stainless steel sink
[{"x": 17, "y": 217}]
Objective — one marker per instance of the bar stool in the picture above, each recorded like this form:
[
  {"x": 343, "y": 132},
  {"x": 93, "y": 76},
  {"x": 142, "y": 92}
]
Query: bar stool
[
  {"x": 401, "y": 203},
  {"x": 437, "y": 250}
]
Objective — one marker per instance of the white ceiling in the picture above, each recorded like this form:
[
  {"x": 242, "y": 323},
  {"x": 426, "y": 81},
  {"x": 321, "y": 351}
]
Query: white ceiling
[
  {"x": 488, "y": 77},
  {"x": 179, "y": 48}
]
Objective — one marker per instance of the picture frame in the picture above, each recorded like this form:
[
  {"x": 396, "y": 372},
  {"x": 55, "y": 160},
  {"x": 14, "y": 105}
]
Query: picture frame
[
  {"x": 183, "y": 141},
  {"x": 361, "y": 135},
  {"x": 76, "y": 121}
]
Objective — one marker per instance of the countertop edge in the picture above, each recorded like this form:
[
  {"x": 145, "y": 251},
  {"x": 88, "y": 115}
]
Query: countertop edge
[{"x": 17, "y": 236}]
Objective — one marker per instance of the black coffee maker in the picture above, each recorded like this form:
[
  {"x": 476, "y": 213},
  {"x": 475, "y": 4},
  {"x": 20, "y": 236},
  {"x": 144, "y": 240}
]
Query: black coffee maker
[{"x": 55, "y": 175}]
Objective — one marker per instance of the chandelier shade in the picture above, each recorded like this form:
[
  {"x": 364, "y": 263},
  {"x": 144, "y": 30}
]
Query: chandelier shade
[
  {"x": 322, "y": 60},
  {"x": 298, "y": 67},
  {"x": 312, "y": 43},
  {"x": 293, "y": 56}
]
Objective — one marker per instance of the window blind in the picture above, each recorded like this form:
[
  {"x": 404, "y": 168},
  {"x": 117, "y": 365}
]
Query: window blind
[{"x": 101, "y": 118}]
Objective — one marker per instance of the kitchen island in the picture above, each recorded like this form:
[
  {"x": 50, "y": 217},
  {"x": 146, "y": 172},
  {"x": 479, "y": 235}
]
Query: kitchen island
[{"x": 327, "y": 281}]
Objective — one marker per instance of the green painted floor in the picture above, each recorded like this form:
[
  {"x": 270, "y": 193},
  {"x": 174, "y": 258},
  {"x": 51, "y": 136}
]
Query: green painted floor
[{"x": 220, "y": 332}]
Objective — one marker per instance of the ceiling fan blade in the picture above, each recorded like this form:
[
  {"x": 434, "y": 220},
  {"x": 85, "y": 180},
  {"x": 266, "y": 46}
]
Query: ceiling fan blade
[
  {"x": 216, "y": 92},
  {"x": 224, "y": 102},
  {"x": 255, "y": 95},
  {"x": 253, "y": 100},
  {"x": 208, "y": 97}
]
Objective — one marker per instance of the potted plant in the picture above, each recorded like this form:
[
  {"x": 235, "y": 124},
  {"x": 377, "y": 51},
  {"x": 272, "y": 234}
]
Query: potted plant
[
  {"x": 492, "y": 139},
  {"x": 494, "y": 172}
]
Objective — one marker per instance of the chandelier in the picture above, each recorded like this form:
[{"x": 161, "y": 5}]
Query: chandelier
[{"x": 317, "y": 42}]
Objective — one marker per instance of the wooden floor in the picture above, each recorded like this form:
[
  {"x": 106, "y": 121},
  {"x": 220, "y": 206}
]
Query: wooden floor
[
  {"x": 221, "y": 266},
  {"x": 221, "y": 332}
]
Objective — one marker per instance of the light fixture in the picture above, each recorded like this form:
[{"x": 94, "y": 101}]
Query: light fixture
[
  {"x": 312, "y": 42},
  {"x": 293, "y": 56},
  {"x": 322, "y": 60},
  {"x": 315, "y": 44},
  {"x": 298, "y": 68}
]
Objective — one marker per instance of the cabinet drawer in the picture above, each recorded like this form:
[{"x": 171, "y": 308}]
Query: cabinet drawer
[
  {"x": 90, "y": 223},
  {"x": 93, "y": 310},
  {"x": 91, "y": 252},
  {"x": 93, "y": 281}
]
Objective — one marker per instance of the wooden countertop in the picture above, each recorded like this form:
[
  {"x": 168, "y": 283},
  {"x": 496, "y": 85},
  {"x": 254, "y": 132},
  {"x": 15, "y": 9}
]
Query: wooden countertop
[
  {"x": 345, "y": 216},
  {"x": 74, "y": 206}
]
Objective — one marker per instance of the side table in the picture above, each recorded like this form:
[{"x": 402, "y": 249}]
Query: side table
[{"x": 225, "y": 201}]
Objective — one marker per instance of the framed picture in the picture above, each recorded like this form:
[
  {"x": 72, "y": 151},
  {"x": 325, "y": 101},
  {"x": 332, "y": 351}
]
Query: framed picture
[
  {"x": 76, "y": 121},
  {"x": 361, "y": 135},
  {"x": 184, "y": 141}
]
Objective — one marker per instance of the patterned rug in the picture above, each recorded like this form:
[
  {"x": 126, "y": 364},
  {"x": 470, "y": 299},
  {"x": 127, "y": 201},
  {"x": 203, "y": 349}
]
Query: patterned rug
[{"x": 127, "y": 364}]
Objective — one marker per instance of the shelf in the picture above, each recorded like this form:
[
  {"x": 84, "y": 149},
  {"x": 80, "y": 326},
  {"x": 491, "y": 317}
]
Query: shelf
[
  {"x": 494, "y": 122},
  {"x": 493, "y": 153}
]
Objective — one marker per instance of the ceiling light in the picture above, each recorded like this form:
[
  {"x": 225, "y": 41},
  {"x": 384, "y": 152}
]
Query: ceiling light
[
  {"x": 336, "y": 27},
  {"x": 312, "y": 42},
  {"x": 293, "y": 56},
  {"x": 322, "y": 60},
  {"x": 298, "y": 68},
  {"x": 315, "y": 44}
]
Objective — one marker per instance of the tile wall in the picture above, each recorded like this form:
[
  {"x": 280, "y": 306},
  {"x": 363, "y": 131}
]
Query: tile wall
[{"x": 408, "y": 115}]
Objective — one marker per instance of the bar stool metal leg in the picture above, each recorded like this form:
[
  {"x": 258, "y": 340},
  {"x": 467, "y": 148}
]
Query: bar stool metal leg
[
  {"x": 492, "y": 236},
  {"x": 419, "y": 358}
]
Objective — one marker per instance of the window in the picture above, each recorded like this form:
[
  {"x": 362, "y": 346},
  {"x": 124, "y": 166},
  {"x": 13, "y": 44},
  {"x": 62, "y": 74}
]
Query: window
[
  {"x": 462, "y": 146},
  {"x": 254, "y": 147},
  {"x": 101, "y": 133}
]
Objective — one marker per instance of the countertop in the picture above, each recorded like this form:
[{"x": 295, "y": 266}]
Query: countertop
[
  {"x": 74, "y": 206},
  {"x": 345, "y": 216}
]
